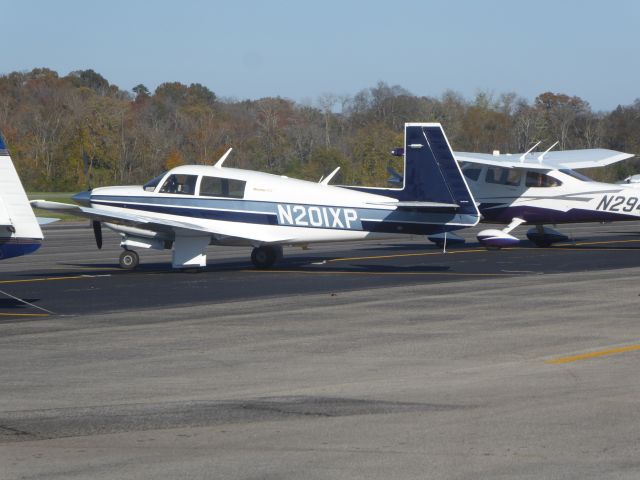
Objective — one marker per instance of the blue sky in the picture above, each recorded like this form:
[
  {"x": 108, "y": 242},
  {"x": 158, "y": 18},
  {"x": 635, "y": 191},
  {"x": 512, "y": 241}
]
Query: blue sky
[{"x": 303, "y": 49}]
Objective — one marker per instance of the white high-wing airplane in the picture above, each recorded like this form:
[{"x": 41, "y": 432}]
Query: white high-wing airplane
[
  {"x": 193, "y": 206},
  {"x": 544, "y": 188},
  {"x": 20, "y": 232}
]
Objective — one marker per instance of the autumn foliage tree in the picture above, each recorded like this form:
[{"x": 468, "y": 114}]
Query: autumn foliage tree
[{"x": 67, "y": 132}]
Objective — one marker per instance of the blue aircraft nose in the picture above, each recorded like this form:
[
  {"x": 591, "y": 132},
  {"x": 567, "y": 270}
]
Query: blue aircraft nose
[{"x": 83, "y": 198}]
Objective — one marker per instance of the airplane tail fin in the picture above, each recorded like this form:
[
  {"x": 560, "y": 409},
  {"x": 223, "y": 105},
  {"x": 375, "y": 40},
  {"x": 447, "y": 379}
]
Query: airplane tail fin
[
  {"x": 20, "y": 232},
  {"x": 431, "y": 173},
  {"x": 433, "y": 181}
]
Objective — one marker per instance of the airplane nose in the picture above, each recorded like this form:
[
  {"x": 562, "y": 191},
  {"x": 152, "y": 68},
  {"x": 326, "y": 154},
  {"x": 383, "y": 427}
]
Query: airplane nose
[{"x": 83, "y": 198}]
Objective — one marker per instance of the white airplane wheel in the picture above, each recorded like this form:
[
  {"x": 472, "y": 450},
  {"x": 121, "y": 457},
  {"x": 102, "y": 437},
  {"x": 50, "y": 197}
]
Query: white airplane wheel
[
  {"x": 265, "y": 256},
  {"x": 129, "y": 260}
]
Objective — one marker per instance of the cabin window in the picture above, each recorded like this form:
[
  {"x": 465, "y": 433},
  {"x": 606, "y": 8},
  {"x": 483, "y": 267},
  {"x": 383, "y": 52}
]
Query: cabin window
[
  {"x": 151, "y": 185},
  {"x": 222, "y": 187},
  {"x": 504, "y": 176},
  {"x": 577, "y": 175},
  {"x": 180, "y": 183},
  {"x": 539, "y": 179},
  {"x": 471, "y": 170}
]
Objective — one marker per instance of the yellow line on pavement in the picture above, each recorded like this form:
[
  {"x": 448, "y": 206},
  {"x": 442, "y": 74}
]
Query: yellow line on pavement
[
  {"x": 400, "y": 255},
  {"x": 606, "y": 242},
  {"x": 342, "y": 272},
  {"x": 600, "y": 353},
  {"x": 566, "y": 246},
  {"x": 44, "y": 279},
  {"x": 23, "y": 314}
]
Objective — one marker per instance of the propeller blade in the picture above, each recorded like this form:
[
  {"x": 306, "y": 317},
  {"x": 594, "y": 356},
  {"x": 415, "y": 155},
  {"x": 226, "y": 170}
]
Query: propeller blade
[{"x": 97, "y": 232}]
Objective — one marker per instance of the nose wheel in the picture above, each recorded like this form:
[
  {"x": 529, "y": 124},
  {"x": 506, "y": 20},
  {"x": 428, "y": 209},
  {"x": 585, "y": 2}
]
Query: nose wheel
[{"x": 129, "y": 260}]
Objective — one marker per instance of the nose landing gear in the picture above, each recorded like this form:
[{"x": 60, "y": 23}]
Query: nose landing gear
[{"x": 129, "y": 260}]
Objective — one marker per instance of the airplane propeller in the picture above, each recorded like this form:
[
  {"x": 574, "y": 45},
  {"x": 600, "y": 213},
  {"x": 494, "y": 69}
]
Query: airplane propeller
[
  {"x": 95, "y": 224},
  {"x": 97, "y": 232}
]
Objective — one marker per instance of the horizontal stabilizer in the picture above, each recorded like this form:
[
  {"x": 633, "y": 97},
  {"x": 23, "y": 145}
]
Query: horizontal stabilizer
[
  {"x": 423, "y": 206},
  {"x": 46, "y": 220}
]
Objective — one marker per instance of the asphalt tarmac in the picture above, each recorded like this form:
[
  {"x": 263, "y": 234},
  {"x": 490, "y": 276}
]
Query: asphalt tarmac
[
  {"x": 70, "y": 276},
  {"x": 365, "y": 360}
]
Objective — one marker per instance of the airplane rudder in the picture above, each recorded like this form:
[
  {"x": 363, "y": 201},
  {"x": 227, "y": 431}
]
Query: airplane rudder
[
  {"x": 424, "y": 179},
  {"x": 448, "y": 166}
]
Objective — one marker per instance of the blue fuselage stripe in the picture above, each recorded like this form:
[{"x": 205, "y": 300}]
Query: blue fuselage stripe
[{"x": 270, "y": 213}]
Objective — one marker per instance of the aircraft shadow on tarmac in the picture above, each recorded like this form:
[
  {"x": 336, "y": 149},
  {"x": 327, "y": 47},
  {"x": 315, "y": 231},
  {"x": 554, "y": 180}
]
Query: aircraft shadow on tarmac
[
  {"x": 399, "y": 269},
  {"x": 408, "y": 248},
  {"x": 329, "y": 263},
  {"x": 307, "y": 263},
  {"x": 15, "y": 304}
]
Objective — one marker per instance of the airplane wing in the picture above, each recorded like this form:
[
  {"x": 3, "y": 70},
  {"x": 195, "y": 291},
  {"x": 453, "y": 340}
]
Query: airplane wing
[
  {"x": 153, "y": 224},
  {"x": 571, "y": 159}
]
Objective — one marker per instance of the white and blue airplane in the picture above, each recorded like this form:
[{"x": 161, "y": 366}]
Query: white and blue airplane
[
  {"x": 542, "y": 189},
  {"x": 20, "y": 232},
  {"x": 191, "y": 207}
]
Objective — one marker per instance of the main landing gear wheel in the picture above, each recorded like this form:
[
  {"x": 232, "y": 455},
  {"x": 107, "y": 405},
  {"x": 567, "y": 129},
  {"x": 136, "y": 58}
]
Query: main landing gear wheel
[
  {"x": 129, "y": 260},
  {"x": 265, "y": 256}
]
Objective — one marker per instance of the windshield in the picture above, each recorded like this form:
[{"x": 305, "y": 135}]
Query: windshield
[
  {"x": 574, "y": 174},
  {"x": 151, "y": 185}
]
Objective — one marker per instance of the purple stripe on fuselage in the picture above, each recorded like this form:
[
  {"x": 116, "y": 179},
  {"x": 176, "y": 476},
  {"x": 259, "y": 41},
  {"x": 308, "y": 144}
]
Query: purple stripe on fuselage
[{"x": 536, "y": 215}]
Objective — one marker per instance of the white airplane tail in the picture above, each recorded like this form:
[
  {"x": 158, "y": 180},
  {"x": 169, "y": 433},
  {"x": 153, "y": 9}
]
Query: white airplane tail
[{"x": 20, "y": 232}]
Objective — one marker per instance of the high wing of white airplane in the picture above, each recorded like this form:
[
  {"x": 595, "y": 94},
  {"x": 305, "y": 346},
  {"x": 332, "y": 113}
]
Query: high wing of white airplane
[
  {"x": 544, "y": 188},
  {"x": 20, "y": 232},
  {"x": 193, "y": 206}
]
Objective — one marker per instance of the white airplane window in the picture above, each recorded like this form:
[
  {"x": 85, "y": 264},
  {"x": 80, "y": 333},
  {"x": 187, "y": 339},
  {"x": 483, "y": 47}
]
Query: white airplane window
[
  {"x": 574, "y": 174},
  {"x": 236, "y": 188},
  {"x": 514, "y": 177},
  {"x": 539, "y": 179},
  {"x": 181, "y": 184},
  {"x": 151, "y": 185},
  {"x": 211, "y": 187},
  {"x": 504, "y": 176},
  {"x": 471, "y": 171},
  {"x": 222, "y": 187}
]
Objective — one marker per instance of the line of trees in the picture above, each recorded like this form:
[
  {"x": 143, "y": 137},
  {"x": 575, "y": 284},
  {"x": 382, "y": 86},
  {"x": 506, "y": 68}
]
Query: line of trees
[{"x": 69, "y": 132}]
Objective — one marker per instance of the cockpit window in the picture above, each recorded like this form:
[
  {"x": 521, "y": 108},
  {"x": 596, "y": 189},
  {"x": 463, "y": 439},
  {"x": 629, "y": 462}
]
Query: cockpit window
[
  {"x": 504, "y": 176},
  {"x": 471, "y": 170},
  {"x": 574, "y": 174},
  {"x": 222, "y": 187},
  {"x": 151, "y": 185},
  {"x": 539, "y": 179},
  {"x": 180, "y": 183}
]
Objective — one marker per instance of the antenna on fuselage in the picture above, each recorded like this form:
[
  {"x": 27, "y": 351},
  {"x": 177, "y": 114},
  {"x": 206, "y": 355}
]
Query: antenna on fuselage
[
  {"x": 329, "y": 177},
  {"x": 524, "y": 155},
  {"x": 222, "y": 159},
  {"x": 541, "y": 157}
]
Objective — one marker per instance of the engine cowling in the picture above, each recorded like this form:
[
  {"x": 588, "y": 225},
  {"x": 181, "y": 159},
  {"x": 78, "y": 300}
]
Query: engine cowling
[{"x": 493, "y": 238}]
